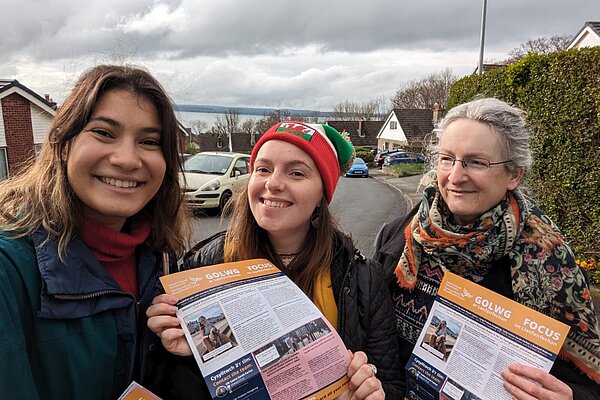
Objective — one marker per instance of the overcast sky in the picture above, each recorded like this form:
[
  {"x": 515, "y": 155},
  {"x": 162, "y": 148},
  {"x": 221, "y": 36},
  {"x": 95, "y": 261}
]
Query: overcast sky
[{"x": 309, "y": 54}]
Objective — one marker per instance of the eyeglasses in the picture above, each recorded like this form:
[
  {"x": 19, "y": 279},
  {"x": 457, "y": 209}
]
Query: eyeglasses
[{"x": 446, "y": 162}]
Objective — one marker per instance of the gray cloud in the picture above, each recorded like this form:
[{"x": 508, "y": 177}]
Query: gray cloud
[{"x": 270, "y": 53}]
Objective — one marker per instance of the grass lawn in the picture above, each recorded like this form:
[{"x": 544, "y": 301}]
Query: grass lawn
[{"x": 407, "y": 169}]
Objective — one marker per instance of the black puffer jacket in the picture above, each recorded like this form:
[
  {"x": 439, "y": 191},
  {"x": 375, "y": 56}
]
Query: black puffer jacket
[
  {"x": 389, "y": 245},
  {"x": 366, "y": 320}
]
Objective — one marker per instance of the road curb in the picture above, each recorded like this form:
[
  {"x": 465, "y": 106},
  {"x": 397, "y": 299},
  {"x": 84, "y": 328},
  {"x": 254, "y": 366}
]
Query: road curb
[
  {"x": 398, "y": 184},
  {"x": 409, "y": 201}
]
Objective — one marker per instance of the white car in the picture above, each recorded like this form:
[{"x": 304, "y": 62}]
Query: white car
[{"x": 211, "y": 178}]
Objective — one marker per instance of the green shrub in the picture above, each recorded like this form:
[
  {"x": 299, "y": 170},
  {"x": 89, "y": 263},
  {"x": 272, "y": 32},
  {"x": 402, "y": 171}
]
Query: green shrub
[
  {"x": 190, "y": 148},
  {"x": 561, "y": 94},
  {"x": 365, "y": 154}
]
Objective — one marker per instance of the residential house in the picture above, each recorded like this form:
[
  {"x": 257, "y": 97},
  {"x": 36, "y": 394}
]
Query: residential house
[
  {"x": 241, "y": 142},
  {"x": 25, "y": 119},
  {"x": 406, "y": 127},
  {"x": 588, "y": 36},
  {"x": 361, "y": 133}
]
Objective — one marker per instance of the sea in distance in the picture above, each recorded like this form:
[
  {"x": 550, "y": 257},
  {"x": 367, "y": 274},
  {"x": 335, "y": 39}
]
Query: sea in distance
[
  {"x": 186, "y": 118},
  {"x": 187, "y": 113}
]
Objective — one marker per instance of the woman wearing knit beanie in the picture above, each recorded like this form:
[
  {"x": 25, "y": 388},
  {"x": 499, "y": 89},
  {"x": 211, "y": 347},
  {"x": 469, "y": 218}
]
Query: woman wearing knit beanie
[{"x": 283, "y": 216}]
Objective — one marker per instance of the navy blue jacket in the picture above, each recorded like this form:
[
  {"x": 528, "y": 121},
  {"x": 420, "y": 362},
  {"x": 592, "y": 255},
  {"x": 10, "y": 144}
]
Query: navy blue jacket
[{"x": 68, "y": 330}]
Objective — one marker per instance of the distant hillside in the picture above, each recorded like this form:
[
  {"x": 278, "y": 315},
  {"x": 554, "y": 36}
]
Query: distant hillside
[{"x": 245, "y": 110}]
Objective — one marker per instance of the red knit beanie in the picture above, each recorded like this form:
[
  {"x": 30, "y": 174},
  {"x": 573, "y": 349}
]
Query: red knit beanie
[{"x": 329, "y": 150}]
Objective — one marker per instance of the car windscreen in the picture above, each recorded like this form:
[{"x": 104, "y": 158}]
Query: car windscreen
[{"x": 207, "y": 164}]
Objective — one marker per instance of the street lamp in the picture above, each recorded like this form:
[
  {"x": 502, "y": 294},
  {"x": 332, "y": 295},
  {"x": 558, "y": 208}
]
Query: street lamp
[{"x": 482, "y": 37}]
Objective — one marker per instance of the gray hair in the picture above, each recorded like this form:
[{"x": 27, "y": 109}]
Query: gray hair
[{"x": 506, "y": 121}]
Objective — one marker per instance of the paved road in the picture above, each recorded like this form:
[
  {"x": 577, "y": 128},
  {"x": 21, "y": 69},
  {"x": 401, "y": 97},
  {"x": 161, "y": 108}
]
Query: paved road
[
  {"x": 361, "y": 206},
  {"x": 206, "y": 225}
]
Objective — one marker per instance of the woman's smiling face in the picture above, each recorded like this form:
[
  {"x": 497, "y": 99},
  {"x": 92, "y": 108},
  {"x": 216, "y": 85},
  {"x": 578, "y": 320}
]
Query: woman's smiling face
[
  {"x": 470, "y": 193},
  {"x": 115, "y": 165},
  {"x": 284, "y": 189}
]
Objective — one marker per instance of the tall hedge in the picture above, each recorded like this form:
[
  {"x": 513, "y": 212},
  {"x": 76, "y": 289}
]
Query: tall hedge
[{"x": 561, "y": 94}]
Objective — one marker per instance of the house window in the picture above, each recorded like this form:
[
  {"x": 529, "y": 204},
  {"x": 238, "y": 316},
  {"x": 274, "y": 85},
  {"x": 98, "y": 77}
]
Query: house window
[
  {"x": 393, "y": 125},
  {"x": 3, "y": 164},
  {"x": 37, "y": 148}
]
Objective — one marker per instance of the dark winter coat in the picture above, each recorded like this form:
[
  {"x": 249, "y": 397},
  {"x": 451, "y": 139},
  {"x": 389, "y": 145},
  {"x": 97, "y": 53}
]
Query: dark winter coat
[{"x": 67, "y": 330}]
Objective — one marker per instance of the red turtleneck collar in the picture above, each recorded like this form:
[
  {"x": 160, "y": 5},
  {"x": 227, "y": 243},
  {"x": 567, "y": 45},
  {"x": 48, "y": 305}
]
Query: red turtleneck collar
[{"x": 116, "y": 250}]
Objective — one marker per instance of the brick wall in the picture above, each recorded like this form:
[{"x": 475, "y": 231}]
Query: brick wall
[{"x": 18, "y": 131}]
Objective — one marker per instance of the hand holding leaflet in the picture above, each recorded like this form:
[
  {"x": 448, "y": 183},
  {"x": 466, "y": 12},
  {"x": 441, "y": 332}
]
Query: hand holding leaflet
[
  {"x": 494, "y": 348},
  {"x": 524, "y": 382},
  {"x": 163, "y": 321},
  {"x": 253, "y": 332},
  {"x": 363, "y": 382}
]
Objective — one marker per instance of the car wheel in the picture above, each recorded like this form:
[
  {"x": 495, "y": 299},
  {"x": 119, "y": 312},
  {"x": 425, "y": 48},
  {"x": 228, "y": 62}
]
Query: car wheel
[{"x": 225, "y": 197}]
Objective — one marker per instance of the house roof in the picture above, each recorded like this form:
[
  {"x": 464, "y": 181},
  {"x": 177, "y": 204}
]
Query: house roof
[
  {"x": 488, "y": 67},
  {"x": 589, "y": 27},
  {"x": 369, "y": 131},
  {"x": 8, "y": 87},
  {"x": 595, "y": 25},
  {"x": 241, "y": 142},
  {"x": 416, "y": 123}
]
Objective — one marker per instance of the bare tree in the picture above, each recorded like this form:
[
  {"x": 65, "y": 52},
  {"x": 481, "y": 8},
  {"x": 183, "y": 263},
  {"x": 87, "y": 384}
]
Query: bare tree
[
  {"x": 543, "y": 45},
  {"x": 425, "y": 92},
  {"x": 378, "y": 109},
  {"x": 227, "y": 125},
  {"x": 232, "y": 120},
  {"x": 313, "y": 118},
  {"x": 248, "y": 126},
  {"x": 374, "y": 109},
  {"x": 198, "y": 126},
  {"x": 275, "y": 116},
  {"x": 344, "y": 110}
]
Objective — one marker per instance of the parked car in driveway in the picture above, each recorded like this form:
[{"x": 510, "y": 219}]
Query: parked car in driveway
[
  {"x": 211, "y": 178},
  {"x": 359, "y": 168},
  {"x": 380, "y": 157},
  {"x": 404, "y": 157}
]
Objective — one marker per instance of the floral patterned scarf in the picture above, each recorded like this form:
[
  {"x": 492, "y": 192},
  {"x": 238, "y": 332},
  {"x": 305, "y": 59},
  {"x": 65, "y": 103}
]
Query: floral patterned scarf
[{"x": 543, "y": 270}]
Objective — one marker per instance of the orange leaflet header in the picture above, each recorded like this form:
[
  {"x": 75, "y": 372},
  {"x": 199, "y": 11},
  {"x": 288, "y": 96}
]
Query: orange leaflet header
[
  {"x": 332, "y": 391},
  {"x": 187, "y": 283},
  {"x": 506, "y": 313},
  {"x": 136, "y": 391}
]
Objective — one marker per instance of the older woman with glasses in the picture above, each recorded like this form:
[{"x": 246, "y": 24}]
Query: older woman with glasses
[{"x": 474, "y": 220}]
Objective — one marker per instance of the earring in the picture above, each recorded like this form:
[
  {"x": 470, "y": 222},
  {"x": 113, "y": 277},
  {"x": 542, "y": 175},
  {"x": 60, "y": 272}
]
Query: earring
[{"x": 314, "y": 218}]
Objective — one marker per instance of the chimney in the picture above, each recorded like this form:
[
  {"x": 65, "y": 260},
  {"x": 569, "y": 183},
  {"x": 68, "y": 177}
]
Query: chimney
[
  {"x": 436, "y": 113},
  {"x": 360, "y": 127},
  {"x": 50, "y": 101}
]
